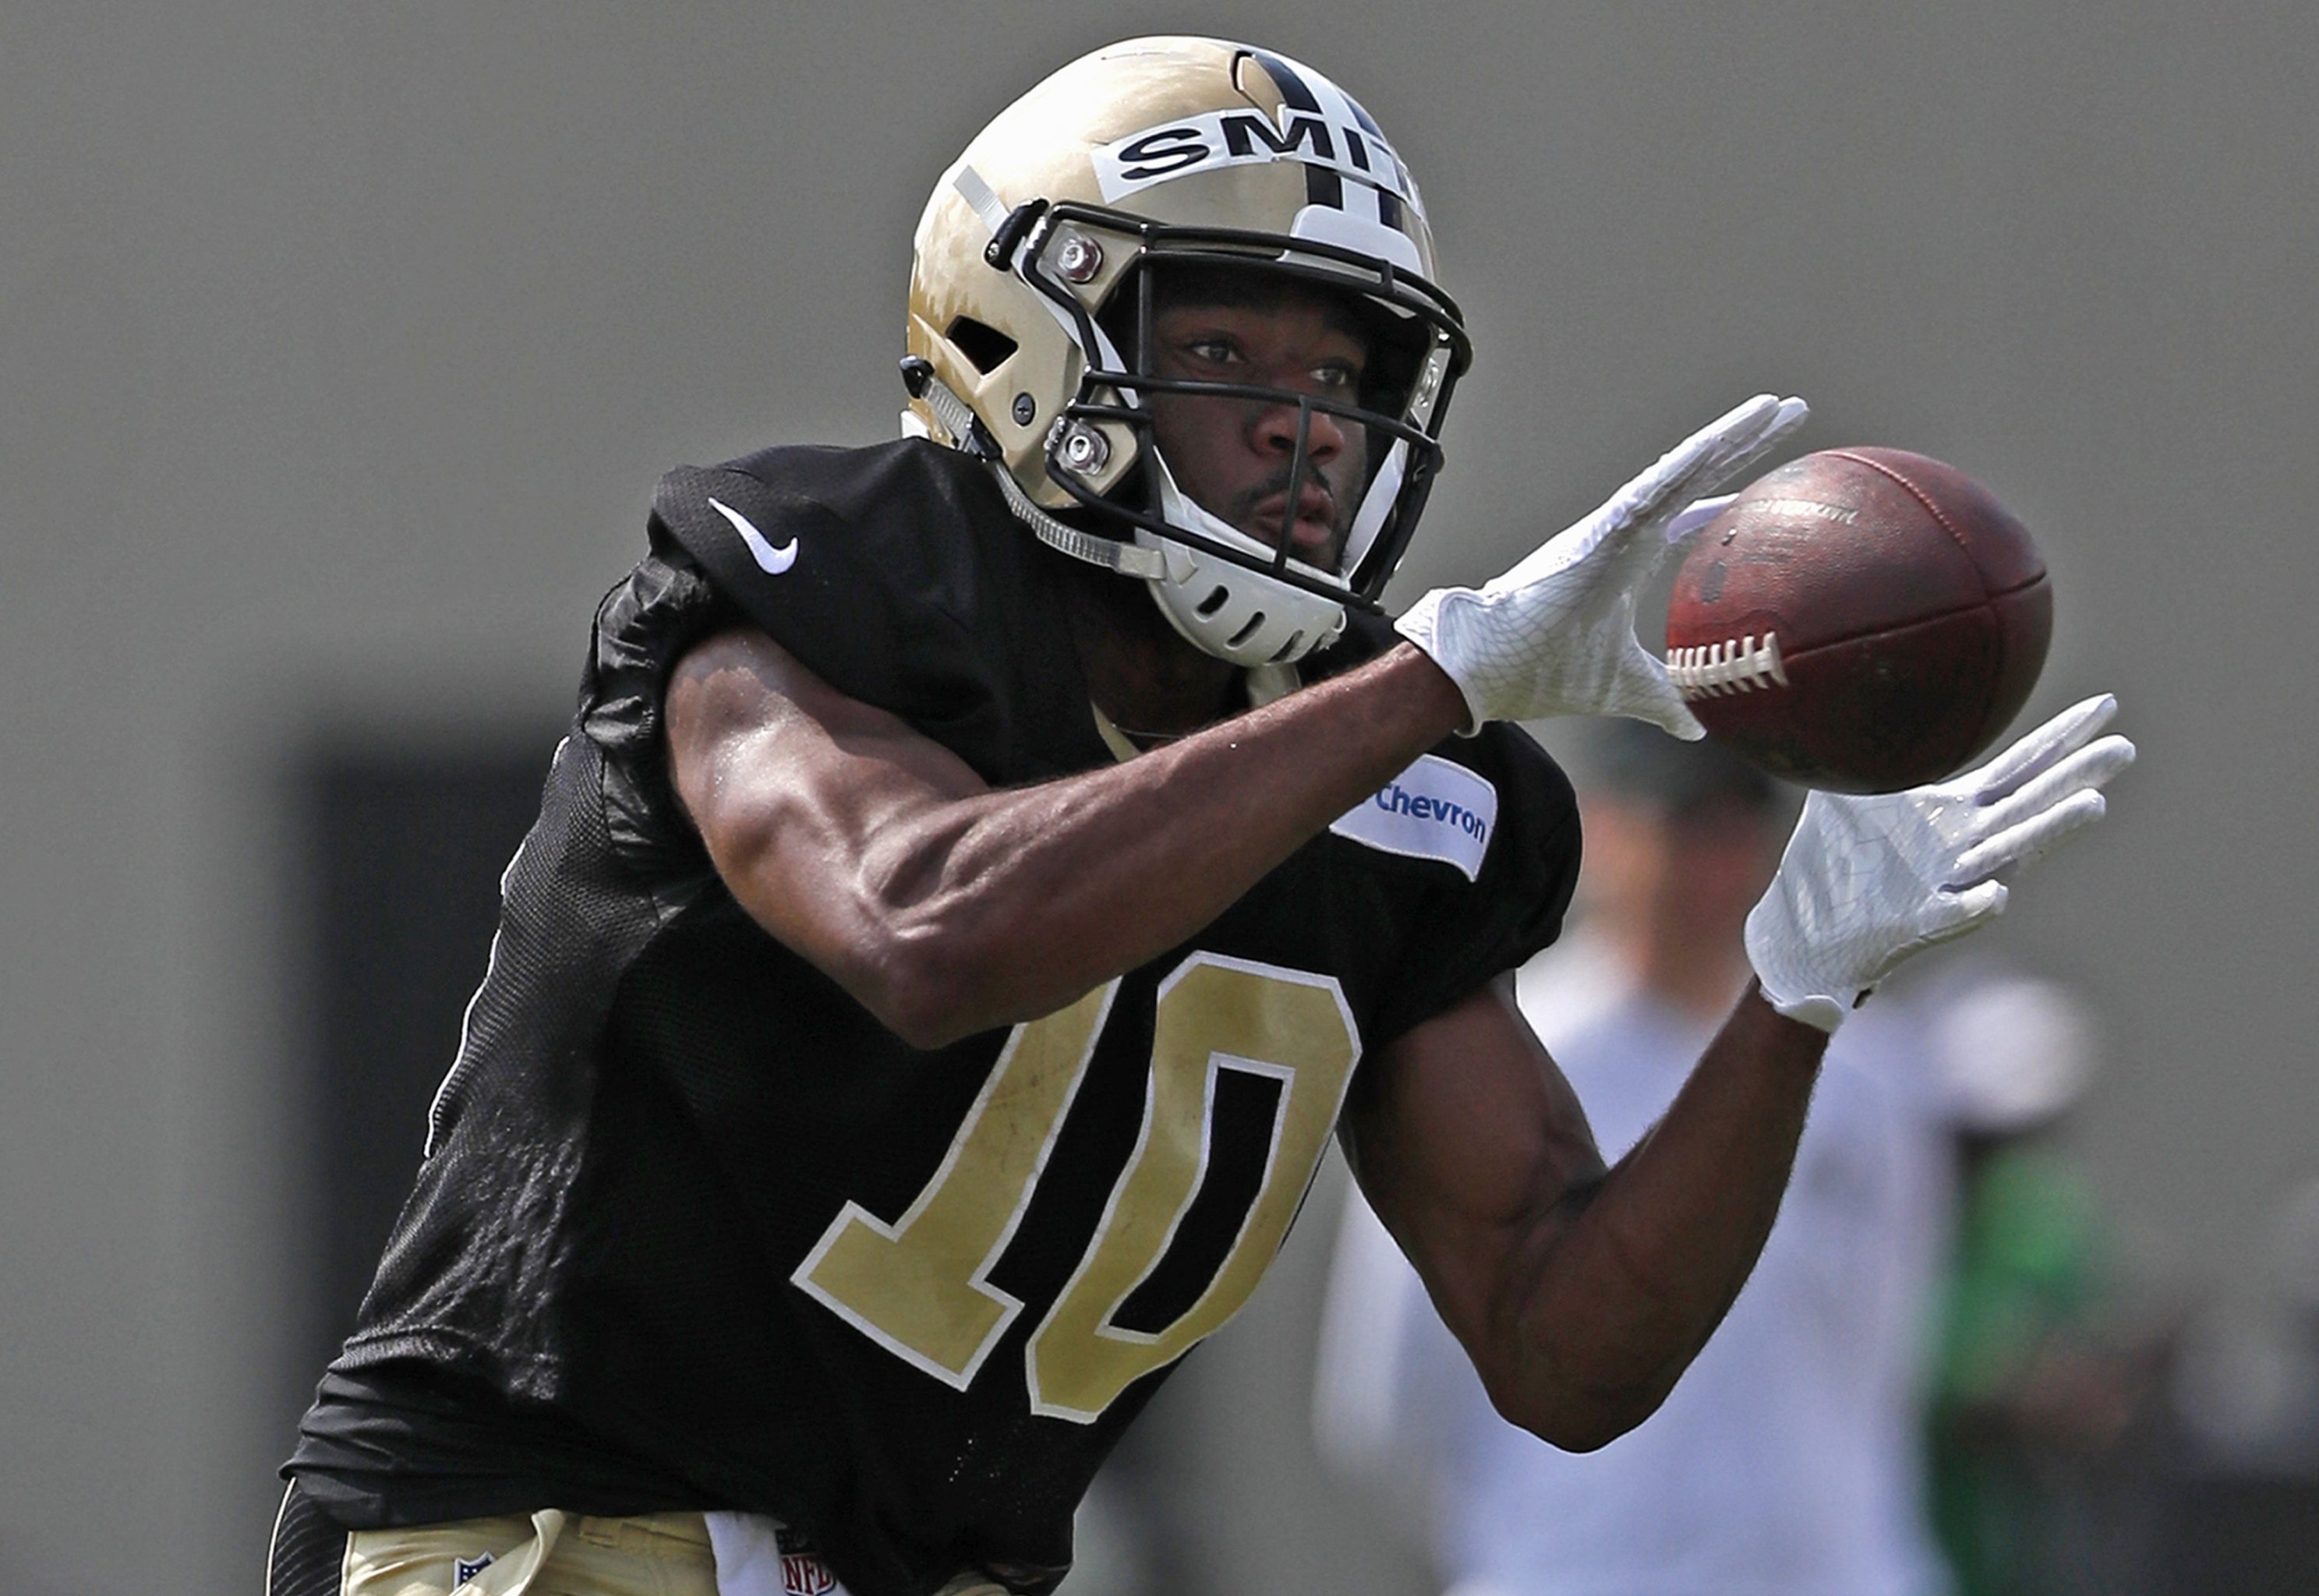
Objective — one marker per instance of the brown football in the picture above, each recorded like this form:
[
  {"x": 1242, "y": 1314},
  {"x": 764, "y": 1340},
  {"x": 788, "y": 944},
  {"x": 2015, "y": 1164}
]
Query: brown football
[{"x": 1860, "y": 619}]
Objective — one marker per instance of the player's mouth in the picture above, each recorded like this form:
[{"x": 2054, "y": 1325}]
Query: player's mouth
[{"x": 1313, "y": 536}]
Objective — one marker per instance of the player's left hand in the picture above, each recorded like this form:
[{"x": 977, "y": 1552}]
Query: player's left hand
[
  {"x": 1868, "y": 880},
  {"x": 1556, "y": 633}
]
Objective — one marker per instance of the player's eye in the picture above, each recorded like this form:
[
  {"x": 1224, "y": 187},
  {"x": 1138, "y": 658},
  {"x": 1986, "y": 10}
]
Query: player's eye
[{"x": 1216, "y": 350}]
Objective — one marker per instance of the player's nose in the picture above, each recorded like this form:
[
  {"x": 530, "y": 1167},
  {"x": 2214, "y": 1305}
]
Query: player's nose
[{"x": 1272, "y": 431}]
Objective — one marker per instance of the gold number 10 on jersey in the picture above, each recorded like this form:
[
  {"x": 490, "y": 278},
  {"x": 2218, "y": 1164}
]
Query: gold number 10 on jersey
[{"x": 920, "y": 1286}]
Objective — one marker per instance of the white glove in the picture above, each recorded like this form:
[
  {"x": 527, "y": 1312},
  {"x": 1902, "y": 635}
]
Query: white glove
[
  {"x": 1867, "y": 881},
  {"x": 1555, "y": 635}
]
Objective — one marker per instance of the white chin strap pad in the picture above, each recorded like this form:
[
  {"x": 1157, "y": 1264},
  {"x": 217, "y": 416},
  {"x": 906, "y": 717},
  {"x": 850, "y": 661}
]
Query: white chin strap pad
[{"x": 1223, "y": 608}]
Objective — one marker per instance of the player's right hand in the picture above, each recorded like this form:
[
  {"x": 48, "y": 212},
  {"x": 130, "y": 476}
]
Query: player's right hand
[
  {"x": 1868, "y": 880},
  {"x": 1555, "y": 635}
]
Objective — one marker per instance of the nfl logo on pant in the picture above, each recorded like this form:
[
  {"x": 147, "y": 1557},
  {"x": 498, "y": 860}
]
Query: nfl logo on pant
[{"x": 802, "y": 1572}]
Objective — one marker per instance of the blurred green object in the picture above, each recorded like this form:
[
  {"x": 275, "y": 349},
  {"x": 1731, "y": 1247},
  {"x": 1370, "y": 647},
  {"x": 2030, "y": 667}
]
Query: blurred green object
[{"x": 2024, "y": 1386}]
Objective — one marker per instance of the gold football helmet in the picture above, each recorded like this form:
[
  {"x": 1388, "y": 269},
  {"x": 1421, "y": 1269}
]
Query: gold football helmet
[{"x": 1034, "y": 265}]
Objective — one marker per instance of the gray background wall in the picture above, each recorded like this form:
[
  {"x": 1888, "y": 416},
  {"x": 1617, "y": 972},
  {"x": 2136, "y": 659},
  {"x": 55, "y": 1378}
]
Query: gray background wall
[{"x": 340, "y": 347}]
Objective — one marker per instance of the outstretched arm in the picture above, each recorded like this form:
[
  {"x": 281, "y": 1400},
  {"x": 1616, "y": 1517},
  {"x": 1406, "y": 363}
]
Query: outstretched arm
[
  {"x": 1580, "y": 1295},
  {"x": 946, "y": 908}
]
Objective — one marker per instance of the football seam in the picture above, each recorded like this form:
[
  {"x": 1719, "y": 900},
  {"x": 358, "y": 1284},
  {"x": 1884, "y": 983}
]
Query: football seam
[
  {"x": 1875, "y": 631},
  {"x": 1788, "y": 658},
  {"x": 1919, "y": 495}
]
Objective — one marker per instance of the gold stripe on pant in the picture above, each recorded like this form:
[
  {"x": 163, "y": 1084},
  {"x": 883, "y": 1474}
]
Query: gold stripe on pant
[
  {"x": 554, "y": 1554},
  {"x": 547, "y": 1554}
]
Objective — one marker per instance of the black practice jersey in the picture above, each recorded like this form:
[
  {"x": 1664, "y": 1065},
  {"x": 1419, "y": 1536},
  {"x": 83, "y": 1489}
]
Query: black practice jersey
[{"x": 695, "y": 1230}]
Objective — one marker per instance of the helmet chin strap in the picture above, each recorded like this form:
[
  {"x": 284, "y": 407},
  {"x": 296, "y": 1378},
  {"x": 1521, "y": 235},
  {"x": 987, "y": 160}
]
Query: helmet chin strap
[{"x": 955, "y": 416}]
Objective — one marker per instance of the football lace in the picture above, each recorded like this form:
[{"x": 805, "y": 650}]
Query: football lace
[{"x": 1710, "y": 669}]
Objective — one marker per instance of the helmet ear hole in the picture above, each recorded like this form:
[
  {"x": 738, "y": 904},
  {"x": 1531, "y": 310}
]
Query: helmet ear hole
[
  {"x": 1246, "y": 632},
  {"x": 981, "y": 343},
  {"x": 1212, "y": 603}
]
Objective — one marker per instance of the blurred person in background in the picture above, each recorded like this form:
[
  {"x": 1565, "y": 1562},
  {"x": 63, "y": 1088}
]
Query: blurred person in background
[{"x": 1790, "y": 1458}]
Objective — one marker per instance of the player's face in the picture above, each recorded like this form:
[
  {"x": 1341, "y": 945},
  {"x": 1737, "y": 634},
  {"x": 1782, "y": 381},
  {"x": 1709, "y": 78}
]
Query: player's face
[{"x": 1232, "y": 455}]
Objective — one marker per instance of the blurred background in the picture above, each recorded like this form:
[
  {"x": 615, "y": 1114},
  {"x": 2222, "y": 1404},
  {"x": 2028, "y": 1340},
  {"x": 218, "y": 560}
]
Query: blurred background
[{"x": 341, "y": 347}]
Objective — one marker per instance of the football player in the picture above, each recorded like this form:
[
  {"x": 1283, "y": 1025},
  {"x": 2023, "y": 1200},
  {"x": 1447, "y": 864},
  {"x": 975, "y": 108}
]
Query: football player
[{"x": 985, "y": 868}]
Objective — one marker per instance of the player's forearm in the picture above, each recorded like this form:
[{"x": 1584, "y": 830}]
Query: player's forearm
[
  {"x": 1628, "y": 1290},
  {"x": 1010, "y": 904}
]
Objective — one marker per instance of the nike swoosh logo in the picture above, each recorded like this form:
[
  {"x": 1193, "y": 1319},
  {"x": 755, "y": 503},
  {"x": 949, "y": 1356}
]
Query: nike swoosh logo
[{"x": 770, "y": 560}]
